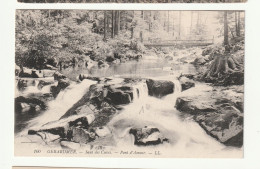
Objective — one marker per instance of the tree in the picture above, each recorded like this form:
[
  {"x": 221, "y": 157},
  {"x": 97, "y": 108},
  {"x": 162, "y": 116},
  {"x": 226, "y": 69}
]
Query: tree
[
  {"x": 226, "y": 42},
  {"x": 223, "y": 64}
]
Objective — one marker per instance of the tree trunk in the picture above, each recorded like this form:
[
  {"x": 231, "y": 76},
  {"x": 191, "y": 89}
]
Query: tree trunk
[
  {"x": 226, "y": 42},
  {"x": 173, "y": 26},
  {"x": 168, "y": 22},
  {"x": 118, "y": 22},
  {"x": 179, "y": 24},
  {"x": 112, "y": 23},
  {"x": 191, "y": 18},
  {"x": 238, "y": 25},
  {"x": 105, "y": 25}
]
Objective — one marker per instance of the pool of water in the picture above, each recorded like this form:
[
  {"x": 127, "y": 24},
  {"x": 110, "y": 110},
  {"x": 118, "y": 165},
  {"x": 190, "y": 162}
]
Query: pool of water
[{"x": 142, "y": 68}]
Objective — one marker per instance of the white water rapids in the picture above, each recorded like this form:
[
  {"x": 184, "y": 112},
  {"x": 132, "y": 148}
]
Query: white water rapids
[{"x": 187, "y": 138}]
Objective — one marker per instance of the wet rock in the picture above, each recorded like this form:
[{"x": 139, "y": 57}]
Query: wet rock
[
  {"x": 60, "y": 131},
  {"x": 17, "y": 70},
  {"x": 102, "y": 131},
  {"x": 199, "y": 61},
  {"x": 137, "y": 57},
  {"x": 69, "y": 145},
  {"x": 147, "y": 136},
  {"x": 226, "y": 125},
  {"x": 85, "y": 109},
  {"x": 190, "y": 106},
  {"x": 100, "y": 62},
  {"x": 32, "y": 105},
  {"x": 118, "y": 97},
  {"x": 207, "y": 51},
  {"x": 159, "y": 88},
  {"x": 85, "y": 76},
  {"x": 233, "y": 78},
  {"x": 80, "y": 135},
  {"x": 43, "y": 83},
  {"x": 110, "y": 59},
  {"x": 37, "y": 74},
  {"x": 186, "y": 83},
  {"x": 24, "y": 107},
  {"x": 83, "y": 122},
  {"x": 218, "y": 112},
  {"x": 116, "y": 61},
  {"x": 26, "y": 72},
  {"x": 23, "y": 83},
  {"x": 68, "y": 128},
  {"x": 58, "y": 76},
  {"x": 62, "y": 84},
  {"x": 45, "y": 97}
]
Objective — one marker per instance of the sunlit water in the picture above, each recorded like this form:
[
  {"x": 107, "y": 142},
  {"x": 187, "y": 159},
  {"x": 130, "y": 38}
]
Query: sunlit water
[{"x": 143, "y": 68}]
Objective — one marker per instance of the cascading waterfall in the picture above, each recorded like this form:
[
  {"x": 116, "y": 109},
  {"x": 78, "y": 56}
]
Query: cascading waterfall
[
  {"x": 65, "y": 100},
  {"x": 34, "y": 88},
  {"x": 185, "y": 135}
]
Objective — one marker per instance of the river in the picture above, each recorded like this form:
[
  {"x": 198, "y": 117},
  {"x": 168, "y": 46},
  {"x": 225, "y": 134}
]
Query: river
[{"x": 187, "y": 138}]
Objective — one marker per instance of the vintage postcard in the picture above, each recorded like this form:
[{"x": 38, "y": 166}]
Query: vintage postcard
[
  {"x": 158, "y": 84},
  {"x": 132, "y": 1}
]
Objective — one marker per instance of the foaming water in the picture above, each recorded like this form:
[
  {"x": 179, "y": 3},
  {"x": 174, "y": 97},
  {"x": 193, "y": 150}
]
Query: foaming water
[
  {"x": 65, "y": 100},
  {"x": 34, "y": 88},
  {"x": 187, "y": 138}
]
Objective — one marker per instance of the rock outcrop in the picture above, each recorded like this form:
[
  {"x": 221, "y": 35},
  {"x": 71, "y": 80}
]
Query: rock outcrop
[
  {"x": 159, "y": 88},
  {"x": 147, "y": 136},
  {"x": 219, "y": 112},
  {"x": 62, "y": 84},
  {"x": 186, "y": 83},
  {"x": 31, "y": 105}
]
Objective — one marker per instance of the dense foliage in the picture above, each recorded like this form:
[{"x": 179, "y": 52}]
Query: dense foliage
[{"x": 52, "y": 35}]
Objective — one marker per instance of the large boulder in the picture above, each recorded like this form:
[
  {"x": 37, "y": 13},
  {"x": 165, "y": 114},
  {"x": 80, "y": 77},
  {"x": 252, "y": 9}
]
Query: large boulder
[
  {"x": 74, "y": 128},
  {"x": 226, "y": 125},
  {"x": 147, "y": 136},
  {"x": 31, "y": 105},
  {"x": 219, "y": 112},
  {"x": 119, "y": 96},
  {"x": 159, "y": 88}
]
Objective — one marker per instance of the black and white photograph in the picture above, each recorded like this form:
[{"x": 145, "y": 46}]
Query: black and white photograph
[
  {"x": 131, "y": 1},
  {"x": 121, "y": 83}
]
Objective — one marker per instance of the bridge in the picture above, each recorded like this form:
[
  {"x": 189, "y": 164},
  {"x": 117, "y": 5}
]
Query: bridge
[{"x": 178, "y": 42}]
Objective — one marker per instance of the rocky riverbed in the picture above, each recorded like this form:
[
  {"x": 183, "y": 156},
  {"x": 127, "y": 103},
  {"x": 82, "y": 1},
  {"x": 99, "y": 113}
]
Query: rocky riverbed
[{"x": 171, "y": 113}]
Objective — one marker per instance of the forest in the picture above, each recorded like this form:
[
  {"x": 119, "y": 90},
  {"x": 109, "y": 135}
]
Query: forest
[
  {"x": 131, "y": 1},
  {"x": 136, "y": 78}
]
